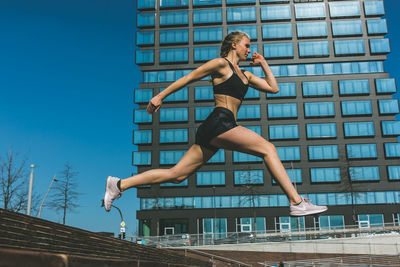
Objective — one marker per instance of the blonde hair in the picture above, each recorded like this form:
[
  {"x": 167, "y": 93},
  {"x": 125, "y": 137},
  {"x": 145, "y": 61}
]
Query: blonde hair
[{"x": 233, "y": 37}]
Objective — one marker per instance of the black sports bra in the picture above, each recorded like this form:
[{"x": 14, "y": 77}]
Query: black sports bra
[{"x": 233, "y": 86}]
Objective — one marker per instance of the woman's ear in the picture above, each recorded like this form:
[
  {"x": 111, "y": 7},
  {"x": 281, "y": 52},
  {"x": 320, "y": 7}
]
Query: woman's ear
[{"x": 233, "y": 45}]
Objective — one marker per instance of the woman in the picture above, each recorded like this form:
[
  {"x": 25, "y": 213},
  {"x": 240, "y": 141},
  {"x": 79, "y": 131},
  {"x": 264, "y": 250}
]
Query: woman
[{"x": 220, "y": 130}]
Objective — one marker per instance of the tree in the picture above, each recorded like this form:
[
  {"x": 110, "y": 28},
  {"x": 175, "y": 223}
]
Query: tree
[
  {"x": 14, "y": 175},
  {"x": 65, "y": 195}
]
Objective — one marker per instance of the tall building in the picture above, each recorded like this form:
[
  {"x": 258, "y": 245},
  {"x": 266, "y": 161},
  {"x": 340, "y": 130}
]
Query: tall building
[{"x": 333, "y": 121}]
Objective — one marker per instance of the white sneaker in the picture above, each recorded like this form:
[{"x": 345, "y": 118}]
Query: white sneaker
[
  {"x": 112, "y": 192},
  {"x": 306, "y": 208}
]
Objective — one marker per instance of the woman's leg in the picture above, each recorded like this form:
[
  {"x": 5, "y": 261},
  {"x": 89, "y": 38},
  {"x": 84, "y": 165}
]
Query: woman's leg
[
  {"x": 244, "y": 140},
  {"x": 194, "y": 158}
]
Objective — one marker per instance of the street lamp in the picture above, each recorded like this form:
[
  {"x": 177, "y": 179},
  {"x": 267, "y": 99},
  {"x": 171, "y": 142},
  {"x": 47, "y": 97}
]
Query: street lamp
[
  {"x": 28, "y": 209},
  {"x": 122, "y": 229},
  {"x": 41, "y": 205}
]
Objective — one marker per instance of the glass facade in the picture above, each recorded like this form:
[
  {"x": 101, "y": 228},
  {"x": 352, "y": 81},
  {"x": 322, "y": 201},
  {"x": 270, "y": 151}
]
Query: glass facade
[{"x": 335, "y": 106}]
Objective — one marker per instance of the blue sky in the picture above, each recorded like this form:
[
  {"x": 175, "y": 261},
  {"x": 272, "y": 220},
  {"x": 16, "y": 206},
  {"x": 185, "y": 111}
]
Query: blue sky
[{"x": 67, "y": 76}]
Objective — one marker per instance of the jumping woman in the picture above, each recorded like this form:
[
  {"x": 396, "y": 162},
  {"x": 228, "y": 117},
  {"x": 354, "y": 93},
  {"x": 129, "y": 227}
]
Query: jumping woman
[{"x": 219, "y": 130}]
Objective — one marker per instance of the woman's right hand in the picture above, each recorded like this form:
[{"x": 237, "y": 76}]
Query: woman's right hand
[{"x": 154, "y": 104}]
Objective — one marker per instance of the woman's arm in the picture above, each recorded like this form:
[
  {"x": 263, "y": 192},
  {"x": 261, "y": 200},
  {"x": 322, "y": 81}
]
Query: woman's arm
[
  {"x": 204, "y": 70},
  {"x": 268, "y": 84}
]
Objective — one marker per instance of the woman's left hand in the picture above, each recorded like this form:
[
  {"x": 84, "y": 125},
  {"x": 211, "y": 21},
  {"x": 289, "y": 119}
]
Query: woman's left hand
[{"x": 257, "y": 59}]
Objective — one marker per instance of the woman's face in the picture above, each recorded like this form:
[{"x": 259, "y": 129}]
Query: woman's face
[{"x": 243, "y": 48}]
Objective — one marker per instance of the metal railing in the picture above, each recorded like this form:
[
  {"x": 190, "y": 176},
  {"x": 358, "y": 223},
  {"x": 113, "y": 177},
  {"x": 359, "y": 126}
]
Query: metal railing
[
  {"x": 370, "y": 260},
  {"x": 189, "y": 240}
]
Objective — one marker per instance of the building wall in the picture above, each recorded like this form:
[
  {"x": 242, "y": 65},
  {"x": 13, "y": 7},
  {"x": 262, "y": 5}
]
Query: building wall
[{"x": 338, "y": 53}]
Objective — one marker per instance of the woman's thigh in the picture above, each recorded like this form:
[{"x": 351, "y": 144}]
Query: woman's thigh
[{"x": 243, "y": 140}]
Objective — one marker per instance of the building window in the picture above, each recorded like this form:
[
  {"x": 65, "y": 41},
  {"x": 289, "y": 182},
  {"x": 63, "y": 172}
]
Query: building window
[
  {"x": 289, "y": 153},
  {"x": 353, "y": 87},
  {"x": 173, "y": 135},
  {"x": 207, "y": 35},
  {"x": 181, "y": 95},
  {"x": 252, "y": 94},
  {"x": 272, "y": 1},
  {"x": 150, "y": 4},
  {"x": 287, "y": 110},
  {"x": 144, "y": 56},
  {"x": 319, "y": 109},
  {"x": 379, "y": 46},
  {"x": 241, "y": 14},
  {"x": 171, "y": 156},
  {"x": 278, "y": 50},
  {"x": 254, "y": 128},
  {"x": 207, "y": 16},
  {"x": 323, "y": 175},
  {"x": 218, "y": 157},
  {"x": 354, "y": 108},
  {"x": 142, "y": 137},
  {"x": 286, "y": 90},
  {"x": 289, "y": 224},
  {"x": 164, "y": 76},
  {"x": 277, "y": 31},
  {"x": 174, "y": 3},
  {"x": 349, "y": 47},
  {"x": 392, "y": 150},
  {"x": 206, "y": 2},
  {"x": 321, "y": 130},
  {"x": 201, "y": 113},
  {"x": 370, "y": 173},
  {"x": 344, "y": 9},
  {"x": 390, "y": 128},
  {"x": 173, "y": 18},
  {"x": 331, "y": 222},
  {"x": 243, "y": 157},
  {"x": 203, "y": 93},
  {"x": 361, "y": 151},
  {"x": 325, "y": 152},
  {"x": 388, "y": 106},
  {"x": 294, "y": 176},
  {"x": 310, "y": 11},
  {"x": 393, "y": 172},
  {"x": 145, "y": 19},
  {"x": 249, "y": 112},
  {"x": 356, "y": 129},
  {"x": 173, "y": 114},
  {"x": 232, "y": 2},
  {"x": 370, "y": 220},
  {"x": 141, "y": 158},
  {"x": 144, "y": 38},
  {"x": 281, "y": 132},
  {"x": 205, "y": 53},
  {"x": 385, "y": 86},
  {"x": 174, "y": 36},
  {"x": 377, "y": 26},
  {"x": 183, "y": 183},
  {"x": 211, "y": 178},
  {"x": 213, "y": 228},
  {"x": 320, "y": 88},
  {"x": 275, "y": 12},
  {"x": 141, "y": 116},
  {"x": 312, "y": 29},
  {"x": 346, "y": 28},
  {"x": 251, "y": 30},
  {"x": 374, "y": 8},
  {"x": 143, "y": 95},
  {"x": 313, "y": 49},
  {"x": 248, "y": 177},
  {"x": 173, "y": 55},
  {"x": 247, "y": 225}
]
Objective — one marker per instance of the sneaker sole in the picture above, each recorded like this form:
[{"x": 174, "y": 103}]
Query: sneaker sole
[{"x": 295, "y": 214}]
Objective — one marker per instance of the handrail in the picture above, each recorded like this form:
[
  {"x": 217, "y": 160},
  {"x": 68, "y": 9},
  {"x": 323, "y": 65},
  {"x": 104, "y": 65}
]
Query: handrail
[{"x": 212, "y": 256}]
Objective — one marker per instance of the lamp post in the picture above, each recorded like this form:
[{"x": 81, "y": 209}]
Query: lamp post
[
  {"x": 48, "y": 190},
  {"x": 122, "y": 229},
  {"x": 28, "y": 209}
]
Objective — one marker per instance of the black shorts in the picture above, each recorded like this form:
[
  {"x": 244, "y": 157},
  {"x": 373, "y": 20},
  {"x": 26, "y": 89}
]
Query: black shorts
[{"x": 218, "y": 122}]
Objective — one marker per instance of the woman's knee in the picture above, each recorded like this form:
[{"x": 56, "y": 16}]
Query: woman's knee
[
  {"x": 268, "y": 149},
  {"x": 177, "y": 176}
]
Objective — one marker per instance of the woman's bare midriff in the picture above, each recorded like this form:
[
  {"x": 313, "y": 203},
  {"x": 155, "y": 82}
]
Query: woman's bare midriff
[{"x": 227, "y": 102}]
